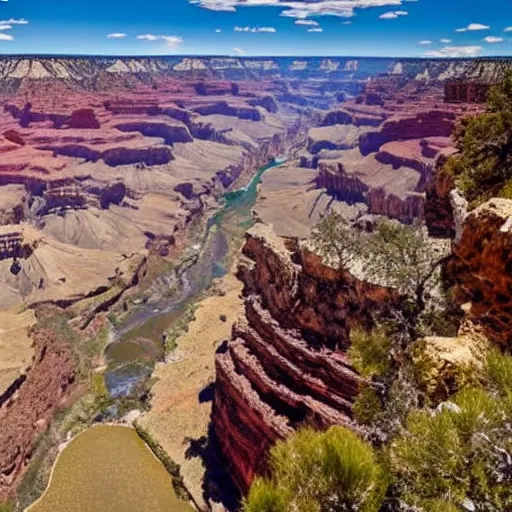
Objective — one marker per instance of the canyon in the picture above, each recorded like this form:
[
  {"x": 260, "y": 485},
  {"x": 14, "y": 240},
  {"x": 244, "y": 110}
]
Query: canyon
[{"x": 110, "y": 166}]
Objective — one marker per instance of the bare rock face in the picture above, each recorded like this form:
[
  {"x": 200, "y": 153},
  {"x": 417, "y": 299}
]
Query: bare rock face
[
  {"x": 482, "y": 268},
  {"x": 286, "y": 364},
  {"x": 433, "y": 123},
  {"x": 84, "y": 118},
  {"x": 26, "y": 416}
]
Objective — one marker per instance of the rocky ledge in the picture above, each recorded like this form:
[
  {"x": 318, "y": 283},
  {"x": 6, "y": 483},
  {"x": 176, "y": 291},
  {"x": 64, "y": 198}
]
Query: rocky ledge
[{"x": 286, "y": 363}]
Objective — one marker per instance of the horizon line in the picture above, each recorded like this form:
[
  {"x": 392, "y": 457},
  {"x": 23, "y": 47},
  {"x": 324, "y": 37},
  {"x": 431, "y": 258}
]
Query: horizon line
[{"x": 243, "y": 57}]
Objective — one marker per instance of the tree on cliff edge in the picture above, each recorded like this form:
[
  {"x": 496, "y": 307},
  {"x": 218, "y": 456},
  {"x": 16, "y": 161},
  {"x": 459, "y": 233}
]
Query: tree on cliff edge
[
  {"x": 483, "y": 166},
  {"x": 394, "y": 255}
]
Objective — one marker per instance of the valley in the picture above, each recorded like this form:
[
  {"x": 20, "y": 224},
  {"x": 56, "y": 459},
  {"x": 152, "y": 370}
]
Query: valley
[{"x": 154, "y": 268}]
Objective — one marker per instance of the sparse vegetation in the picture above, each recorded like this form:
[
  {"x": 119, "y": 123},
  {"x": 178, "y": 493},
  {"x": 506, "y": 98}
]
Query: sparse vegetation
[
  {"x": 483, "y": 166},
  {"x": 320, "y": 472},
  {"x": 172, "y": 468}
]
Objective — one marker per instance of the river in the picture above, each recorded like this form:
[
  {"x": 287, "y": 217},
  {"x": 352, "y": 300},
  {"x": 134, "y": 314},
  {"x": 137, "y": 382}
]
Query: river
[{"x": 137, "y": 342}]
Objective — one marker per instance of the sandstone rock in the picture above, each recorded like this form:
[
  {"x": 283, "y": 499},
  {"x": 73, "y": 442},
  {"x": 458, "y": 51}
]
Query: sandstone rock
[
  {"x": 482, "y": 268},
  {"x": 286, "y": 364}
]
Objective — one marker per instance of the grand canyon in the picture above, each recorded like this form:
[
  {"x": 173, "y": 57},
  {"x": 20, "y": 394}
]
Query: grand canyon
[{"x": 155, "y": 265}]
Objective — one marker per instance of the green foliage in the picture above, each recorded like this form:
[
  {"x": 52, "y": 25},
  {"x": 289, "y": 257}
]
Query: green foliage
[
  {"x": 320, "y": 472},
  {"x": 428, "y": 459},
  {"x": 404, "y": 258},
  {"x": 457, "y": 454},
  {"x": 336, "y": 241},
  {"x": 370, "y": 351},
  {"x": 7, "y": 506},
  {"x": 367, "y": 406},
  {"x": 483, "y": 166},
  {"x": 266, "y": 497},
  {"x": 498, "y": 372}
]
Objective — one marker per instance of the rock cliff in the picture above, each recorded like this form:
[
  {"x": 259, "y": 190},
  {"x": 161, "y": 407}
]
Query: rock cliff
[
  {"x": 286, "y": 364},
  {"x": 482, "y": 268}
]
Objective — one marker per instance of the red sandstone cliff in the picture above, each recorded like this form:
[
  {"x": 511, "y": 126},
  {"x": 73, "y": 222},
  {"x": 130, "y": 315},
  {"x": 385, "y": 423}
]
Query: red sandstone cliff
[
  {"x": 482, "y": 268},
  {"x": 286, "y": 364}
]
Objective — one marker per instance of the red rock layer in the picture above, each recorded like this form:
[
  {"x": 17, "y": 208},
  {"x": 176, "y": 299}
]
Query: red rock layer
[
  {"x": 26, "y": 415},
  {"x": 286, "y": 364},
  {"x": 482, "y": 268}
]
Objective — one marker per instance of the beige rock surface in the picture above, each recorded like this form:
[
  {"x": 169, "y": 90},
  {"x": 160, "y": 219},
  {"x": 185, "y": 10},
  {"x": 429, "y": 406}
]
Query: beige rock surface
[
  {"x": 177, "y": 415},
  {"x": 15, "y": 345}
]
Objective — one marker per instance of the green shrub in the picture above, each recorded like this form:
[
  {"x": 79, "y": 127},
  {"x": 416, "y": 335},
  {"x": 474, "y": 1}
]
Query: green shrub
[
  {"x": 370, "y": 351},
  {"x": 266, "y": 497},
  {"x": 498, "y": 372},
  {"x": 456, "y": 455},
  {"x": 320, "y": 472},
  {"x": 367, "y": 406},
  {"x": 428, "y": 460}
]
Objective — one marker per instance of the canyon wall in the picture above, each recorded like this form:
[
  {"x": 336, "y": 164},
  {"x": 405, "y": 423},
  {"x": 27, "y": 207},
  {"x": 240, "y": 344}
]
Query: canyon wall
[
  {"x": 481, "y": 268},
  {"x": 286, "y": 364}
]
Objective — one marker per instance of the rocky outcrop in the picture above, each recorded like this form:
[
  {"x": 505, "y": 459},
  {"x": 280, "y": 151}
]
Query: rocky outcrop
[
  {"x": 153, "y": 155},
  {"x": 286, "y": 363},
  {"x": 438, "y": 207},
  {"x": 169, "y": 132},
  {"x": 482, "y": 268},
  {"x": 406, "y": 209},
  {"x": 84, "y": 118},
  {"x": 223, "y": 108},
  {"x": 350, "y": 188},
  {"x": 433, "y": 123},
  {"x": 341, "y": 185},
  {"x": 267, "y": 102}
]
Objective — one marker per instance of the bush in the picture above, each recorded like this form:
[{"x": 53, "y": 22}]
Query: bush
[
  {"x": 367, "y": 406},
  {"x": 320, "y": 472},
  {"x": 459, "y": 454},
  {"x": 370, "y": 351}
]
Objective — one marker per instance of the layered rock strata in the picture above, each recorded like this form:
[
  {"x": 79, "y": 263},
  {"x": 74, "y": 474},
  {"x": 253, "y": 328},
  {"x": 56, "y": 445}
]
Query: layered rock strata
[{"x": 286, "y": 364}]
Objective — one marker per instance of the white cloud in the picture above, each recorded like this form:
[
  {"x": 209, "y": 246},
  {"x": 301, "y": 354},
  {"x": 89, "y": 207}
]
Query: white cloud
[
  {"x": 148, "y": 37},
  {"x": 238, "y": 51},
  {"x": 455, "y": 51},
  {"x": 311, "y": 23},
  {"x": 5, "y": 27},
  {"x": 393, "y": 15},
  {"x": 350, "y": 23},
  {"x": 218, "y": 30},
  {"x": 255, "y": 29},
  {"x": 445, "y": 41},
  {"x": 6, "y": 37},
  {"x": 425, "y": 42},
  {"x": 171, "y": 41},
  {"x": 508, "y": 29},
  {"x": 300, "y": 9},
  {"x": 116, "y": 35},
  {"x": 493, "y": 39},
  {"x": 317, "y": 29},
  {"x": 12, "y": 21},
  {"x": 472, "y": 27}
]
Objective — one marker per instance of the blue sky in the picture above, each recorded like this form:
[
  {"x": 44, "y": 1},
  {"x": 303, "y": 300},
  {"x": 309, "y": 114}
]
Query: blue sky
[{"x": 402, "y": 28}]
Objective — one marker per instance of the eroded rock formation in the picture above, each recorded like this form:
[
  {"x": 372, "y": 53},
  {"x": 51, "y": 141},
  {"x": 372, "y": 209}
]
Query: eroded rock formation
[
  {"x": 286, "y": 364},
  {"x": 482, "y": 268}
]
